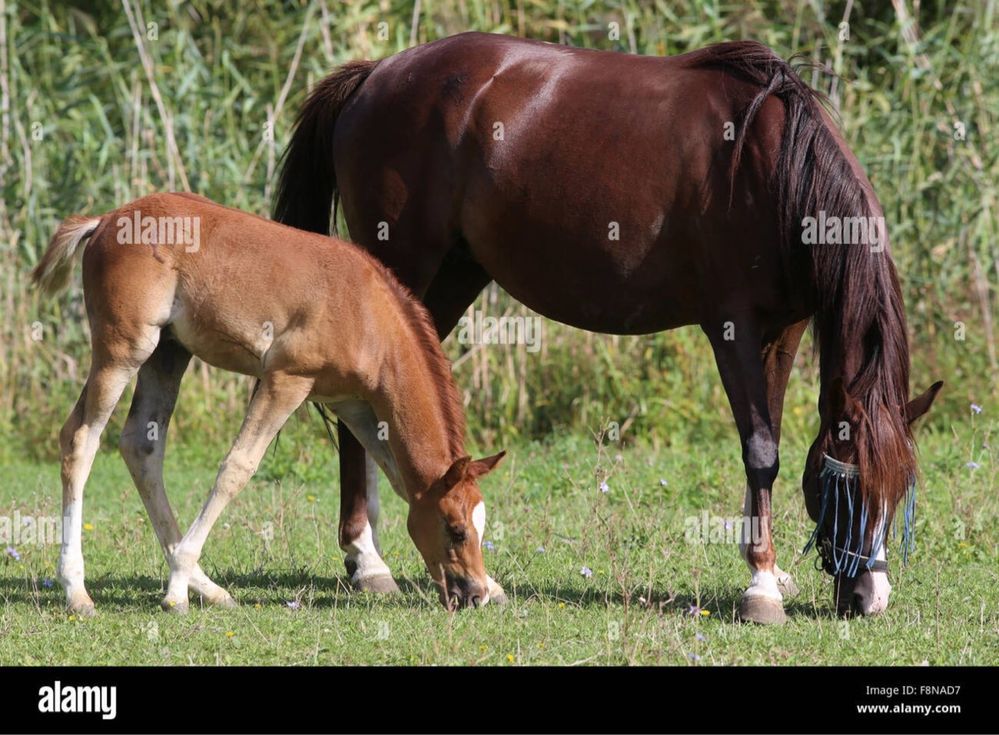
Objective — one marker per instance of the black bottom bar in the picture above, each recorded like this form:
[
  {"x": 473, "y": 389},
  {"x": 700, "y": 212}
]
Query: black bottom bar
[{"x": 485, "y": 700}]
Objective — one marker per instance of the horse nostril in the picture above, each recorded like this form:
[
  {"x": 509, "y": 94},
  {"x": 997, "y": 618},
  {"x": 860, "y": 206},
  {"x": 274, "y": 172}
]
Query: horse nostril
[
  {"x": 856, "y": 604},
  {"x": 476, "y": 601}
]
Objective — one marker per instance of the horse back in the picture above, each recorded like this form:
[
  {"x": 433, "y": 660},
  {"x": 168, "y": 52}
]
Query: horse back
[{"x": 607, "y": 172}]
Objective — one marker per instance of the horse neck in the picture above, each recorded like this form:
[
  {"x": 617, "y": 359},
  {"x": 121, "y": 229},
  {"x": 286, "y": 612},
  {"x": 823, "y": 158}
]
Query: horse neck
[{"x": 416, "y": 397}]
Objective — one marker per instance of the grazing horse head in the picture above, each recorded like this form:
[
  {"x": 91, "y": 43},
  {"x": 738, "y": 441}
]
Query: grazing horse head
[
  {"x": 446, "y": 524},
  {"x": 859, "y": 469}
]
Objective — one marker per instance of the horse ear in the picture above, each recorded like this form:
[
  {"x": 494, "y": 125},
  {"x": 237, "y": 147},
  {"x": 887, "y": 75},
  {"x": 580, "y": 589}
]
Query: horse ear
[
  {"x": 484, "y": 466},
  {"x": 455, "y": 473},
  {"x": 921, "y": 403}
]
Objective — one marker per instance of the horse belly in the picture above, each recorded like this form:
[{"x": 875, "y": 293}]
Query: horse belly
[
  {"x": 592, "y": 214},
  {"x": 587, "y": 292},
  {"x": 574, "y": 250},
  {"x": 228, "y": 344}
]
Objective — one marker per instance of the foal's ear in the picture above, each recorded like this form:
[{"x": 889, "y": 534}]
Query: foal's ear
[
  {"x": 921, "y": 403},
  {"x": 484, "y": 466},
  {"x": 455, "y": 473},
  {"x": 465, "y": 468}
]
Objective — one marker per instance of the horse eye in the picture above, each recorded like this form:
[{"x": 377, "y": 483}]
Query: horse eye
[{"x": 458, "y": 534}]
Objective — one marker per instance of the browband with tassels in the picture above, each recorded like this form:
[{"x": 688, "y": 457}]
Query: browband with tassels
[{"x": 846, "y": 559}]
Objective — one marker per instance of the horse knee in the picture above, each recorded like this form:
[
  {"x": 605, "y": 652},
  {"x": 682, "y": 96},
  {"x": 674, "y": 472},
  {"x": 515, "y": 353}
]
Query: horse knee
[
  {"x": 762, "y": 459},
  {"x": 68, "y": 442}
]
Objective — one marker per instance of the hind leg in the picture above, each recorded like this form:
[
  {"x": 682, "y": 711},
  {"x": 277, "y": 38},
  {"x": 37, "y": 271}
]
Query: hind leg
[
  {"x": 275, "y": 400},
  {"x": 79, "y": 441},
  {"x": 143, "y": 445}
]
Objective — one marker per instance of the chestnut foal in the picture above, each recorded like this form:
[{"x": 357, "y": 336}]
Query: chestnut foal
[{"x": 169, "y": 276}]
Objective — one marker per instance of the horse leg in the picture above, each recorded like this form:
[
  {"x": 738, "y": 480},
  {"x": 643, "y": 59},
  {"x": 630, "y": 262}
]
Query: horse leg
[
  {"x": 276, "y": 398},
  {"x": 778, "y": 358},
  {"x": 143, "y": 444},
  {"x": 410, "y": 255},
  {"x": 359, "y": 502},
  {"x": 117, "y": 355},
  {"x": 359, "y": 506},
  {"x": 736, "y": 344}
]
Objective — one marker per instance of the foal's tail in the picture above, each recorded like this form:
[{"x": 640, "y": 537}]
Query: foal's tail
[
  {"x": 52, "y": 273},
  {"x": 307, "y": 186}
]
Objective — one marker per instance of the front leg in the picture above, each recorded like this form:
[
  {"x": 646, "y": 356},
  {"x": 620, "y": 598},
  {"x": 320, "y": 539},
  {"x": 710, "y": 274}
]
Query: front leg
[
  {"x": 276, "y": 398},
  {"x": 359, "y": 508},
  {"x": 779, "y": 349},
  {"x": 736, "y": 344},
  {"x": 785, "y": 582},
  {"x": 763, "y": 601}
]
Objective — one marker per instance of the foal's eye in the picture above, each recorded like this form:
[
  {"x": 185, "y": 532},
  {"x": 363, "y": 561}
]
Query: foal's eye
[{"x": 458, "y": 534}]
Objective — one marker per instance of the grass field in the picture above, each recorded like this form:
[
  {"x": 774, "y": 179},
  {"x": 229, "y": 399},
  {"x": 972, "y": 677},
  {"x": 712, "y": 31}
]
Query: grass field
[
  {"x": 653, "y": 597},
  {"x": 105, "y": 101}
]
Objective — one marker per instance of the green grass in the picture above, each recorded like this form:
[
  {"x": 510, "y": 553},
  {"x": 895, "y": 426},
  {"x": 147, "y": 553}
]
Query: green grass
[{"x": 634, "y": 609}]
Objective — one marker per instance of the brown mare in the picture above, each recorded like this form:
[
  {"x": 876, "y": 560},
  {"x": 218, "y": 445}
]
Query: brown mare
[
  {"x": 629, "y": 195},
  {"x": 169, "y": 276}
]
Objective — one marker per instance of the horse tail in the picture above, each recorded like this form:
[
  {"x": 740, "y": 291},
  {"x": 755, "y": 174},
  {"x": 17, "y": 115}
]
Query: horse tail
[
  {"x": 854, "y": 286},
  {"x": 53, "y": 271},
  {"x": 307, "y": 186}
]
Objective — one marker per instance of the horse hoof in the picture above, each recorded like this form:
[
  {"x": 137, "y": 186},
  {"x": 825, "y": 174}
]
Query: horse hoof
[
  {"x": 82, "y": 609},
  {"x": 225, "y": 601},
  {"x": 176, "y": 608},
  {"x": 381, "y": 583},
  {"x": 787, "y": 585},
  {"x": 762, "y": 610}
]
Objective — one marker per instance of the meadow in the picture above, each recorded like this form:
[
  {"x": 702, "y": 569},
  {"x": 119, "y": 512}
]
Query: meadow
[
  {"x": 593, "y": 577},
  {"x": 103, "y": 102}
]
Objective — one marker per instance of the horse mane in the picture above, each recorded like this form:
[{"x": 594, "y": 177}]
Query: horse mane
[
  {"x": 859, "y": 321},
  {"x": 430, "y": 346}
]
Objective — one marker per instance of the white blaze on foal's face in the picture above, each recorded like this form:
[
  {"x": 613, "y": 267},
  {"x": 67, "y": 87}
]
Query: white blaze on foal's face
[{"x": 479, "y": 520}]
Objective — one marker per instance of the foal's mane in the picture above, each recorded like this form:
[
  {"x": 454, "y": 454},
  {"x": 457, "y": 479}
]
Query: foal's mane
[
  {"x": 859, "y": 321},
  {"x": 435, "y": 360}
]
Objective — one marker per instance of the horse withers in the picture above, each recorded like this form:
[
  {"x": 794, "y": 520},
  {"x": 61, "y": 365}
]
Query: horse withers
[
  {"x": 632, "y": 194},
  {"x": 169, "y": 276}
]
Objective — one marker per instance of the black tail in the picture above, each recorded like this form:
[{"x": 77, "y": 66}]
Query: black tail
[
  {"x": 856, "y": 289},
  {"x": 307, "y": 187}
]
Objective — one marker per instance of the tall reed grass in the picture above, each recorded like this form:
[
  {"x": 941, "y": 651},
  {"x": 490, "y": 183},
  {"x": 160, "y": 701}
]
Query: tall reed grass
[{"x": 103, "y": 102}]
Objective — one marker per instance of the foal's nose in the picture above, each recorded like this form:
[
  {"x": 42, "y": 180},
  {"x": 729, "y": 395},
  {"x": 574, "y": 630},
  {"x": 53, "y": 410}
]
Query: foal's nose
[{"x": 465, "y": 592}]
